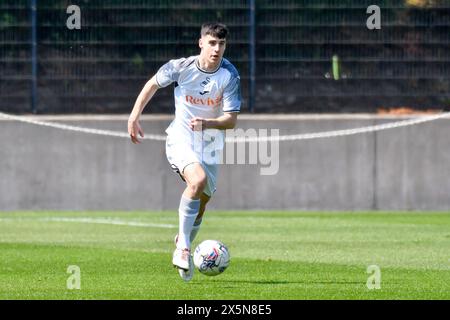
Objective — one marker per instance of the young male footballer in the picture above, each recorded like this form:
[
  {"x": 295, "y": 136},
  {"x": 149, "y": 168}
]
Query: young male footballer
[{"x": 207, "y": 101}]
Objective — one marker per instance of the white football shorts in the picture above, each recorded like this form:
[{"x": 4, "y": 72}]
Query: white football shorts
[{"x": 180, "y": 155}]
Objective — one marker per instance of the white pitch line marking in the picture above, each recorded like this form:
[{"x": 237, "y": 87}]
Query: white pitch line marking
[{"x": 109, "y": 221}]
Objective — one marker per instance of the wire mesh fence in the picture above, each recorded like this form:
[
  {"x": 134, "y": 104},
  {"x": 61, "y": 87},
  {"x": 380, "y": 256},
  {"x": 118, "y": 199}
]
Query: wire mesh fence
[{"x": 102, "y": 67}]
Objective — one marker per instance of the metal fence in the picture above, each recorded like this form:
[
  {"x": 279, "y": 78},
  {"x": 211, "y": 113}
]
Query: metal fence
[{"x": 283, "y": 50}]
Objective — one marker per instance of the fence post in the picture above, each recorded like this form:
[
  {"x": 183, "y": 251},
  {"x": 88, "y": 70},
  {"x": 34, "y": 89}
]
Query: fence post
[
  {"x": 33, "y": 5},
  {"x": 252, "y": 67}
]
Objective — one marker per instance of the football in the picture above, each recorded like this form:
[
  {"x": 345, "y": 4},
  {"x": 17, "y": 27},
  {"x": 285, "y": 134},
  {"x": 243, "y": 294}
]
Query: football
[{"x": 211, "y": 257}]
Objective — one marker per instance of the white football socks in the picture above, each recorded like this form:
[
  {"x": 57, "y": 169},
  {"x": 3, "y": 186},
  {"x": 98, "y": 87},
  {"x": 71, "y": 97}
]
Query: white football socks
[
  {"x": 195, "y": 229},
  {"x": 187, "y": 213}
]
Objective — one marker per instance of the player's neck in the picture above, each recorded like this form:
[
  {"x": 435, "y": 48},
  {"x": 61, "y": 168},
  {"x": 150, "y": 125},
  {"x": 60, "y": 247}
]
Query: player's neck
[{"x": 206, "y": 65}]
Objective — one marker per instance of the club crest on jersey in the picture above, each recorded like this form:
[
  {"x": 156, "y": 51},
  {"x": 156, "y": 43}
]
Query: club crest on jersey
[{"x": 206, "y": 85}]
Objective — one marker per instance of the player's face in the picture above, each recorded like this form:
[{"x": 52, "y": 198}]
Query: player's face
[{"x": 212, "y": 48}]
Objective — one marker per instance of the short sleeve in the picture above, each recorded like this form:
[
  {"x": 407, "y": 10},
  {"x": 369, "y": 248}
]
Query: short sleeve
[
  {"x": 232, "y": 95},
  {"x": 169, "y": 72}
]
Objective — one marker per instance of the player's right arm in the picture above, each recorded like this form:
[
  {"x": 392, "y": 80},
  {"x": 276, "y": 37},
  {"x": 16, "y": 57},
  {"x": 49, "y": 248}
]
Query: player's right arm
[
  {"x": 144, "y": 97},
  {"x": 166, "y": 75}
]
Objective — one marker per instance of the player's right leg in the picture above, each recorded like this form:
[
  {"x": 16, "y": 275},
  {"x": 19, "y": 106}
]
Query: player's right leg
[
  {"x": 189, "y": 208},
  {"x": 187, "y": 275},
  {"x": 196, "y": 182},
  {"x": 204, "y": 198}
]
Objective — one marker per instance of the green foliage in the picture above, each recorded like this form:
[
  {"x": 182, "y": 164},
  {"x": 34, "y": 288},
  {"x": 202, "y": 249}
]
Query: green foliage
[
  {"x": 7, "y": 20},
  {"x": 137, "y": 62},
  {"x": 295, "y": 41}
]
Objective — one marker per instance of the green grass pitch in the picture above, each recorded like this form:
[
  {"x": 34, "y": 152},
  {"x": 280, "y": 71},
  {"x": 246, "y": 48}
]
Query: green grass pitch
[{"x": 274, "y": 255}]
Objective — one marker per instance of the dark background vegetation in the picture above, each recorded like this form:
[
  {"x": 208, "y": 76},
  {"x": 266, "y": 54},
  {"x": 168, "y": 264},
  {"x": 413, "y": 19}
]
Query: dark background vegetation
[{"x": 122, "y": 43}]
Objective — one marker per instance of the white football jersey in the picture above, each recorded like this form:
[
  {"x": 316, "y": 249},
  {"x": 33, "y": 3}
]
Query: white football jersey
[{"x": 199, "y": 93}]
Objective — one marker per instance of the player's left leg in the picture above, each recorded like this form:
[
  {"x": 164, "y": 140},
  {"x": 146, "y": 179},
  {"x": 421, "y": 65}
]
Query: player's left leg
[{"x": 204, "y": 198}]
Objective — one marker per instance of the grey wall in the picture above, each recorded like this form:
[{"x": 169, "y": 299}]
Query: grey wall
[{"x": 399, "y": 169}]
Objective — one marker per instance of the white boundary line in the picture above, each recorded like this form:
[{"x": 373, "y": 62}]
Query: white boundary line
[
  {"x": 308, "y": 136},
  {"x": 109, "y": 133},
  {"x": 108, "y": 221},
  {"x": 344, "y": 132}
]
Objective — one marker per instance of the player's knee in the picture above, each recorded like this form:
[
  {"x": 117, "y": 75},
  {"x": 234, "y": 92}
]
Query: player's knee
[
  {"x": 196, "y": 179},
  {"x": 198, "y": 185}
]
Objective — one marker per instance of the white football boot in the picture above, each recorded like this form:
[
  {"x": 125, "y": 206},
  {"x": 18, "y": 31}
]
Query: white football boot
[
  {"x": 187, "y": 275},
  {"x": 183, "y": 261}
]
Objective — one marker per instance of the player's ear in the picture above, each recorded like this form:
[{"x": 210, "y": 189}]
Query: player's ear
[{"x": 200, "y": 43}]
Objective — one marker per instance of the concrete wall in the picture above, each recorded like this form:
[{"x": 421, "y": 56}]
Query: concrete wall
[{"x": 399, "y": 169}]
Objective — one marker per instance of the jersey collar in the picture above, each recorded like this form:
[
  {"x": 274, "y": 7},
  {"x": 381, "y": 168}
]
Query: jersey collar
[{"x": 209, "y": 72}]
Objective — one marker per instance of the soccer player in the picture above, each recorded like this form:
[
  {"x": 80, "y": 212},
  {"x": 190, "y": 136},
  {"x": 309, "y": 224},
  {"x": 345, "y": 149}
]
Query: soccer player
[{"x": 207, "y": 101}]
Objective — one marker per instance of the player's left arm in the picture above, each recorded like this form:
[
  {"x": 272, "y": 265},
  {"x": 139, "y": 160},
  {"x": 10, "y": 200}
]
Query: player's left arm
[
  {"x": 224, "y": 122},
  {"x": 231, "y": 107}
]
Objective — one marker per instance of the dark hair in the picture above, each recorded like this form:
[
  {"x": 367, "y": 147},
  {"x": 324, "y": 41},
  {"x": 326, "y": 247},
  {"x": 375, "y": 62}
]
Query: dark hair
[{"x": 215, "y": 29}]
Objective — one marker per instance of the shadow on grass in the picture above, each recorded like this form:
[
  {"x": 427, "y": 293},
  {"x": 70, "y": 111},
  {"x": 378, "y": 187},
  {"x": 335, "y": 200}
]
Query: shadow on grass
[{"x": 288, "y": 282}]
